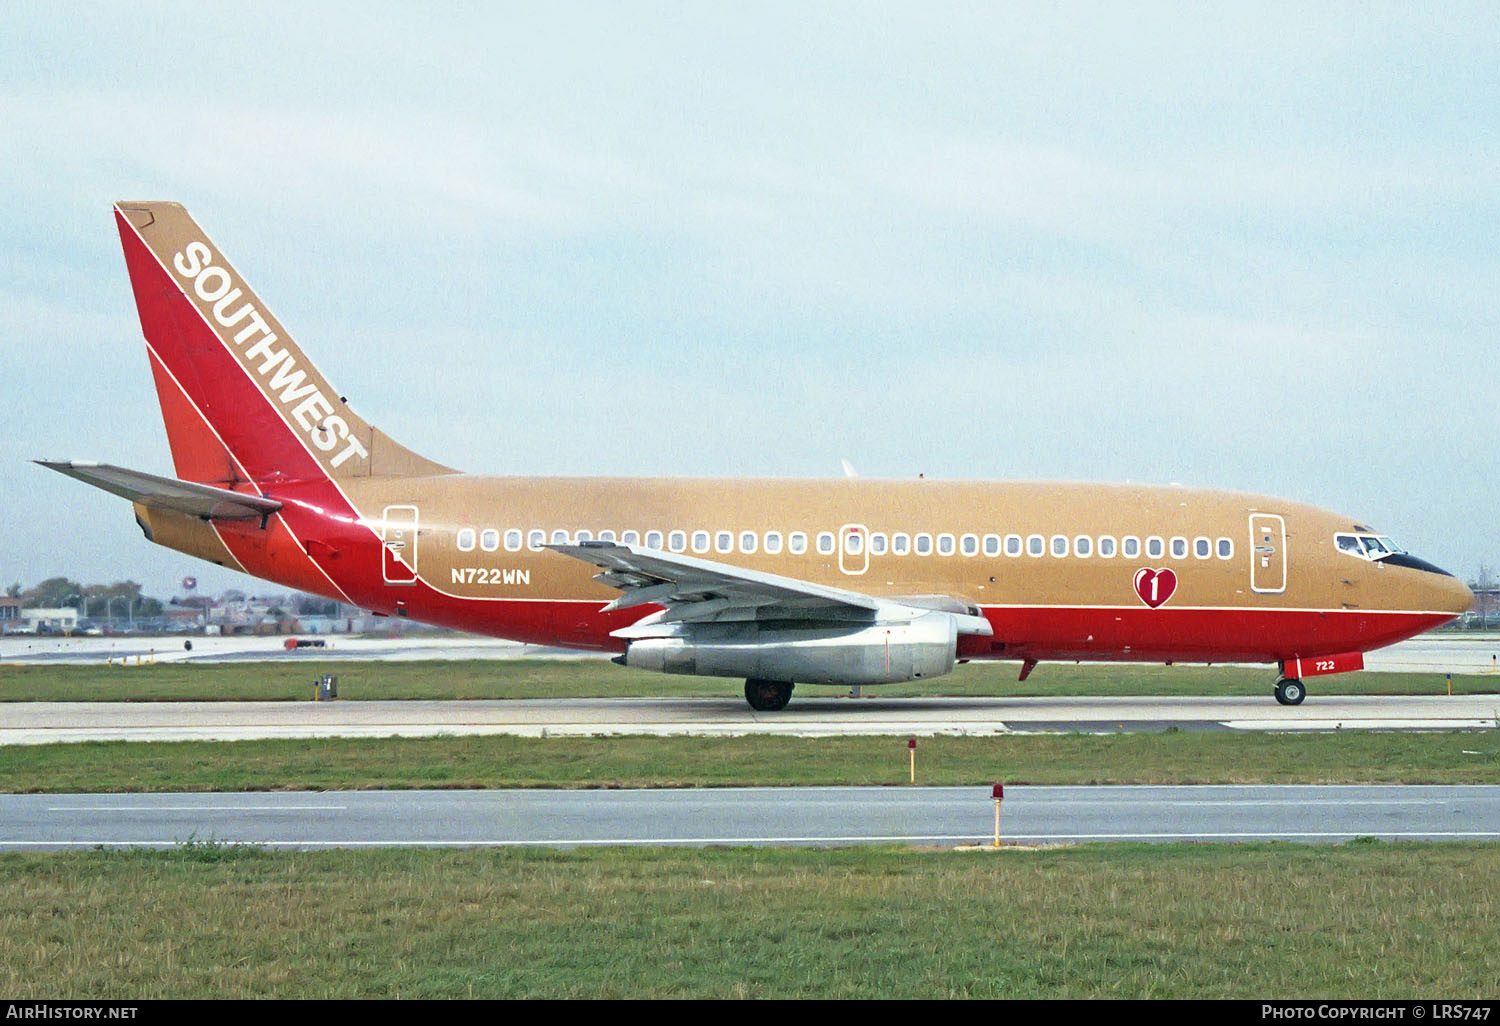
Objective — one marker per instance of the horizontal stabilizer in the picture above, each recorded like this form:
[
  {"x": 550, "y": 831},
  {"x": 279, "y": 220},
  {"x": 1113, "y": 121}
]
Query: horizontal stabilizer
[{"x": 168, "y": 493}]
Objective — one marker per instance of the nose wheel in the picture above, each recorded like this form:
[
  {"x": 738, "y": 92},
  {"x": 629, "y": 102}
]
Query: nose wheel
[
  {"x": 768, "y": 695},
  {"x": 1289, "y": 691}
]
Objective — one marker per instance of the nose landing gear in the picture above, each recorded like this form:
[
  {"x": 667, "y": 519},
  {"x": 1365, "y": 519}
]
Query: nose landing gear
[{"x": 1289, "y": 691}]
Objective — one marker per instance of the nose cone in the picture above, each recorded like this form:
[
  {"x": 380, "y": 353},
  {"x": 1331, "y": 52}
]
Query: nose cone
[{"x": 1453, "y": 595}]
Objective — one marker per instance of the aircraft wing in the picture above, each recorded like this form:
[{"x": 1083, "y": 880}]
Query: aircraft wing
[
  {"x": 690, "y": 589},
  {"x": 168, "y": 493}
]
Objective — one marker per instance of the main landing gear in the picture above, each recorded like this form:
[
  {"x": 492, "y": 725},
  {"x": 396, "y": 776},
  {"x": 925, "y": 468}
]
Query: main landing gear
[
  {"x": 1289, "y": 691},
  {"x": 768, "y": 695}
]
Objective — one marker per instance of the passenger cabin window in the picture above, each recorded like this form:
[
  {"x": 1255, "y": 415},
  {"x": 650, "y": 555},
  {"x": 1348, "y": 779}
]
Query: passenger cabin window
[
  {"x": 489, "y": 540},
  {"x": 945, "y": 545},
  {"x": 773, "y": 542},
  {"x": 1202, "y": 548},
  {"x": 1179, "y": 548},
  {"x": 513, "y": 540},
  {"x": 1083, "y": 546},
  {"x": 559, "y": 537},
  {"x": 878, "y": 544},
  {"x": 584, "y": 536},
  {"x": 535, "y": 540},
  {"x": 631, "y": 538},
  {"x": 677, "y": 541},
  {"x": 1226, "y": 548},
  {"x": 825, "y": 543},
  {"x": 1036, "y": 545},
  {"x": 797, "y": 543},
  {"x": 992, "y": 545},
  {"x": 924, "y": 544},
  {"x": 854, "y": 543},
  {"x": 653, "y": 539},
  {"x": 1059, "y": 545},
  {"x": 700, "y": 541},
  {"x": 466, "y": 539},
  {"x": 900, "y": 545},
  {"x": 1130, "y": 547},
  {"x": 748, "y": 541},
  {"x": 1106, "y": 547},
  {"x": 969, "y": 545},
  {"x": 1012, "y": 544},
  {"x": 724, "y": 541},
  {"x": 607, "y": 536}
]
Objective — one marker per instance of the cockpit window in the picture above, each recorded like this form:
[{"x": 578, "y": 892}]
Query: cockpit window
[{"x": 1366, "y": 546}]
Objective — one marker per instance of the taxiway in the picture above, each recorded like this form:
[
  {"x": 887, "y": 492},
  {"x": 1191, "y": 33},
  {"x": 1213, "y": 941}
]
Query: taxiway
[
  {"x": 807, "y": 716},
  {"x": 750, "y": 816}
]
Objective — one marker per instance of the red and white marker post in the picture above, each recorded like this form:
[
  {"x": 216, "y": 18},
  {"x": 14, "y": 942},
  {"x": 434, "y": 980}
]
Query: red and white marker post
[{"x": 998, "y": 794}]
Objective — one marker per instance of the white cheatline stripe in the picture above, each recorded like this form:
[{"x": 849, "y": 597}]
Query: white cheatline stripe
[
  {"x": 255, "y": 385},
  {"x": 243, "y": 472},
  {"x": 1228, "y": 609}
]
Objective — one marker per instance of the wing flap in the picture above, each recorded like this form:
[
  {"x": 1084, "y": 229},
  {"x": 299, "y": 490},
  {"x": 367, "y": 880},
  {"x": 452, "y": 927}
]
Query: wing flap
[
  {"x": 689, "y": 589},
  {"x": 168, "y": 493}
]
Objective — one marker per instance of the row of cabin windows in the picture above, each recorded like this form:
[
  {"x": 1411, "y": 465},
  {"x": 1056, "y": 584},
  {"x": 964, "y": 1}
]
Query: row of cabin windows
[{"x": 747, "y": 543}]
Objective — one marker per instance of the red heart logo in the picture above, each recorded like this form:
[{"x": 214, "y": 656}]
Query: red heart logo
[{"x": 1155, "y": 586}]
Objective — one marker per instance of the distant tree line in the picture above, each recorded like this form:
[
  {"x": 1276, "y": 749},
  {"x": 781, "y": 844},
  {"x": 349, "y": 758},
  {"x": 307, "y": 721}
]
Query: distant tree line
[{"x": 124, "y": 599}]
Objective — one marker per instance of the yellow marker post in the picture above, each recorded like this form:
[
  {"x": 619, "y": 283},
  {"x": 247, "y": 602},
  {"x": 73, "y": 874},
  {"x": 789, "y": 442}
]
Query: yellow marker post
[
  {"x": 911, "y": 747},
  {"x": 998, "y": 794}
]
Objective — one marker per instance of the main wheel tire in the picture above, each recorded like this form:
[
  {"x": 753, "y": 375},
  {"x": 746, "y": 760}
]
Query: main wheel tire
[
  {"x": 768, "y": 695},
  {"x": 1289, "y": 691}
]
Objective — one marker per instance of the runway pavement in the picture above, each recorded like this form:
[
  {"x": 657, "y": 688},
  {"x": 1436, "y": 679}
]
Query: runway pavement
[
  {"x": 1470, "y": 652},
  {"x": 47, "y": 722},
  {"x": 819, "y": 816}
]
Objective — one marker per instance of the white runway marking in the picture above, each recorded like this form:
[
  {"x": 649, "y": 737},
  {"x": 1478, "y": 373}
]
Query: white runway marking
[{"x": 201, "y": 808}]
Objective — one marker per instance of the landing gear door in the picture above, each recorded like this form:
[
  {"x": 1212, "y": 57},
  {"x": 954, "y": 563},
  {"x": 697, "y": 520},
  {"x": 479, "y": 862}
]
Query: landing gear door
[
  {"x": 1267, "y": 554},
  {"x": 399, "y": 544}
]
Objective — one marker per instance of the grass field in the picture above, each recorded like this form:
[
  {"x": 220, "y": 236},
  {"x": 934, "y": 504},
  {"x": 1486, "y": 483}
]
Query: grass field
[
  {"x": 292, "y": 679},
  {"x": 1188, "y": 757},
  {"x": 1363, "y": 920}
]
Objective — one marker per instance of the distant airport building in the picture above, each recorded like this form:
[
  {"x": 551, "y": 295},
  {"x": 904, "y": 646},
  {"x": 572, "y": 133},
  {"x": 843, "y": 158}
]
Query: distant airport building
[
  {"x": 43, "y": 621},
  {"x": 10, "y": 614}
]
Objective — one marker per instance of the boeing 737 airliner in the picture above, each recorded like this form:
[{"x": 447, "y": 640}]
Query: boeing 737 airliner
[{"x": 841, "y": 581}]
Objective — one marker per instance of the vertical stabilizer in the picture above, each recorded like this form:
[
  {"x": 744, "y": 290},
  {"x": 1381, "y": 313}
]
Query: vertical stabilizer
[{"x": 239, "y": 398}]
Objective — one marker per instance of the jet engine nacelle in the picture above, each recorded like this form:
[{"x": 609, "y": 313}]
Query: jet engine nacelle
[{"x": 881, "y": 653}]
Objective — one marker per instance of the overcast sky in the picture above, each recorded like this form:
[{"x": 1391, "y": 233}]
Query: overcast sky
[{"x": 1252, "y": 248}]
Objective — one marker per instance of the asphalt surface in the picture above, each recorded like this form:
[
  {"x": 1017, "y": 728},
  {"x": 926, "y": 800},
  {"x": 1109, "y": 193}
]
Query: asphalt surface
[
  {"x": 1469, "y": 652},
  {"x": 48, "y": 722},
  {"x": 817, "y": 816}
]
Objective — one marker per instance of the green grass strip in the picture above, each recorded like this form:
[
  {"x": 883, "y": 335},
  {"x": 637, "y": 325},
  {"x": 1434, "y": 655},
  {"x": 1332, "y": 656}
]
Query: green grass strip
[
  {"x": 1364, "y": 920},
  {"x": 1173, "y": 757}
]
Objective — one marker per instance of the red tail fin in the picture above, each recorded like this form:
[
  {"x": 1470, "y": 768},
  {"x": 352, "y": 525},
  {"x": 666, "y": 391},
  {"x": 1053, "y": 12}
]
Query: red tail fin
[{"x": 238, "y": 396}]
